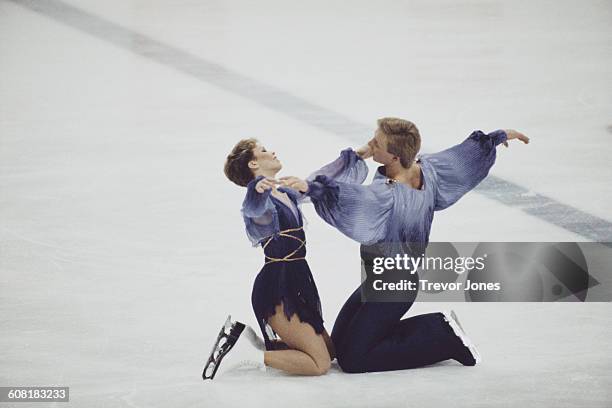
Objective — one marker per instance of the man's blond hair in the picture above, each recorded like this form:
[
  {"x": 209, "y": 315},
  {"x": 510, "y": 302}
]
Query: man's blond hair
[{"x": 403, "y": 139}]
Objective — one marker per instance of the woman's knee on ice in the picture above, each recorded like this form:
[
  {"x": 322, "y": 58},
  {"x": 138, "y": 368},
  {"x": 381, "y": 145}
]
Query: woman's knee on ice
[
  {"x": 323, "y": 365},
  {"x": 320, "y": 358}
]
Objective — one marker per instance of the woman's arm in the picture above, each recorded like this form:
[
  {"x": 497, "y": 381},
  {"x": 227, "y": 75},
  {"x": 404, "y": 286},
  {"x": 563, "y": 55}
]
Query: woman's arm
[{"x": 258, "y": 210}]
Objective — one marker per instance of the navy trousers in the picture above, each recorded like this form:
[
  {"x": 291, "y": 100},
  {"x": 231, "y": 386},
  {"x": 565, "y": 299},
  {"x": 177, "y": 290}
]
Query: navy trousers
[{"x": 372, "y": 336}]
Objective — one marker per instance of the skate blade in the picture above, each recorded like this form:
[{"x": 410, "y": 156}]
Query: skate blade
[
  {"x": 453, "y": 321},
  {"x": 225, "y": 341},
  {"x": 454, "y": 316}
]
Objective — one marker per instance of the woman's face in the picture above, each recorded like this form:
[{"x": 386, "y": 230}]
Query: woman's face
[{"x": 264, "y": 161}]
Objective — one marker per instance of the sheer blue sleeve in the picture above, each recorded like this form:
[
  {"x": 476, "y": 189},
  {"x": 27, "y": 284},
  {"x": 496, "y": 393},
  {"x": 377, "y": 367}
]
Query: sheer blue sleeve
[
  {"x": 348, "y": 168},
  {"x": 359, "y": 212},
  {"x": 462, "y": 167},
  {"x": 259, "y": 213}
]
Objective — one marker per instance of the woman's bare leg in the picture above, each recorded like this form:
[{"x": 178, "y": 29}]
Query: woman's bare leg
[
  {"x": 330, "y": 345},
  {"x": 308, "y": 354}
]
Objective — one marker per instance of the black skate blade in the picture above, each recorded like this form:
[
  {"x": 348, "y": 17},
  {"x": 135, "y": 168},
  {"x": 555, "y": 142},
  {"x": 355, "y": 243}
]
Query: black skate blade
[{"x": 230, "y": 332}]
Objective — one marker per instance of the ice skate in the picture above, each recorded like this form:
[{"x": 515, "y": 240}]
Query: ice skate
[
  {"x": 237, "y": 346},
  {"x": 468, "y": 354}
]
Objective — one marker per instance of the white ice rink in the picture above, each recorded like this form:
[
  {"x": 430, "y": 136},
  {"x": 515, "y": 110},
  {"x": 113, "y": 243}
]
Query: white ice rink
[{"x": 121, "y": 244}]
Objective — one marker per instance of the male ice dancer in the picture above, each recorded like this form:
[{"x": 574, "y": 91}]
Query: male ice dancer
[{"x": 397, "y": 207}]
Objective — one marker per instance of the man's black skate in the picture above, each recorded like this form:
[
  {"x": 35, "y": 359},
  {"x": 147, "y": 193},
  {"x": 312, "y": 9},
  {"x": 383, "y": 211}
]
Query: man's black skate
[{"x": 225, "y": 341}]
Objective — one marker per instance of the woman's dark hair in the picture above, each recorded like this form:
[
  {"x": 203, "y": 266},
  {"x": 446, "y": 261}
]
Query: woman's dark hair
[{"x": 237, "y": 163}]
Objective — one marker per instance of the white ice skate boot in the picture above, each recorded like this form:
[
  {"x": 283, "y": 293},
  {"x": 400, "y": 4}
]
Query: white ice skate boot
[
  {"x": 237, "y": 347},
  {"x": 468, "y": 354},
  {"x": 255, "y": 340}
]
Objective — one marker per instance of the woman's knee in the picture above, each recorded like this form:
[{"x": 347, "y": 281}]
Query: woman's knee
[
  {"x": 302, "y": 337},
  {"x": 321, "y": 359},
  {"x": 323, "y": 365}
]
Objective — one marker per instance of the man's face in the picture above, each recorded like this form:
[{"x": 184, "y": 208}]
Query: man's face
[
  {"x": 378, "y": 144},
  {"x": 264, "y": 160}
]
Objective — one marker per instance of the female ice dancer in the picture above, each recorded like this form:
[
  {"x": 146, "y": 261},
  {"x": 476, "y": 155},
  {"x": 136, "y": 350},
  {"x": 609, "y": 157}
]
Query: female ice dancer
[
  {"x": 398, "y": 207},
  {"x": 284, "y": 297}
]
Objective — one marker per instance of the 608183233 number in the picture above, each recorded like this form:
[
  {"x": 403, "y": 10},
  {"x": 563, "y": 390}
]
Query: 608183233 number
[{"x": 31, "y": 394}]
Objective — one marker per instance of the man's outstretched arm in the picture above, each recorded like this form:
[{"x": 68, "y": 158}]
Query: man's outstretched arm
[
  {"x": 360, "y": 212},
  {"x": 457, "y": 170},
  {"x": 513, "y": 134}
]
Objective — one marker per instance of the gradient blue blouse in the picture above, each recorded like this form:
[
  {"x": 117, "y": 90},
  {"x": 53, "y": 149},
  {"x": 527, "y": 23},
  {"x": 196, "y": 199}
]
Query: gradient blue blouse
[
  {"x": 390, "y": 212},
  {"x": 383, "y": 212}
]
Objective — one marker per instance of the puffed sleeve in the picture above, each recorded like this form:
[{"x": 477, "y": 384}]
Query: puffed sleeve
[
  {"x": 462, "y": 167},
  {"x": 259, "y": 213},
  {"x": 348, "y": 168},
  {"x": 361, "y": 213}
]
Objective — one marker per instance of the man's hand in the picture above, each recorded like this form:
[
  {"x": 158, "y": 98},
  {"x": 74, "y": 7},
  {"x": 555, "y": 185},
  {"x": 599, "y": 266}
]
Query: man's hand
[
  {"x": 295, "y": 183},
  {"x": 513, "y": 134},
  {"x": 365, "y": 151},
  {"x": 265, "y": 184}
]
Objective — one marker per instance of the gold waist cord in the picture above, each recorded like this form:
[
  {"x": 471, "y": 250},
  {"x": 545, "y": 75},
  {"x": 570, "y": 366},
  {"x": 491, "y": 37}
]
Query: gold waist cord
[{"x": 288, "y": 257}]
